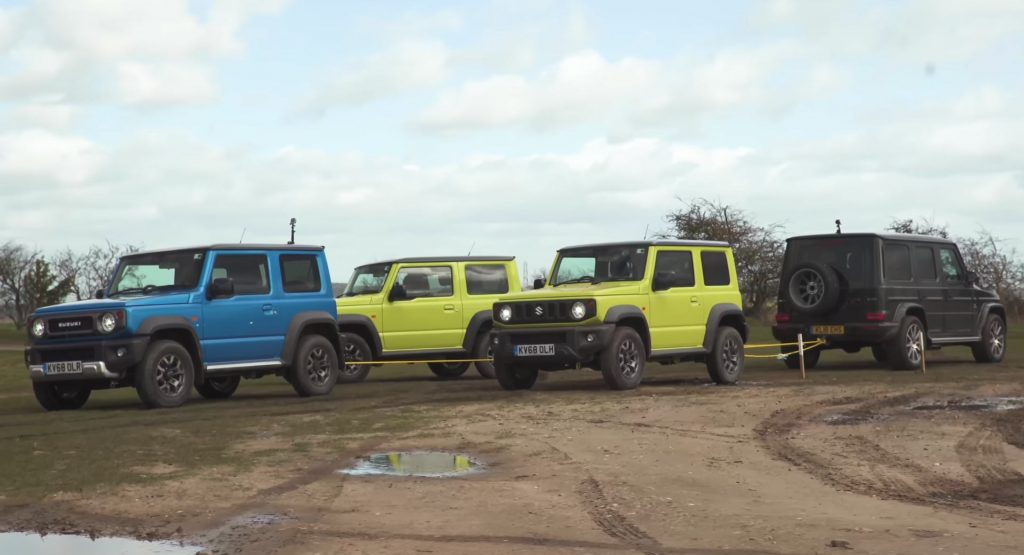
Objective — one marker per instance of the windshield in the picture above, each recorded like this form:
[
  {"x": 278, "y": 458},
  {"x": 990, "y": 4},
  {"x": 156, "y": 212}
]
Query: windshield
[
  {"x": 367, "y": 280},
  {"x": 851, "y": 258},
  {"x": 597, "y": 264},
  {"x": 147, "y": 273}
]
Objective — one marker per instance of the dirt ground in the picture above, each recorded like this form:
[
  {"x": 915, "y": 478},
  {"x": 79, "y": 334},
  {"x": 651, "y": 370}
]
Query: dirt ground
[{"x": 855, "y": 458}]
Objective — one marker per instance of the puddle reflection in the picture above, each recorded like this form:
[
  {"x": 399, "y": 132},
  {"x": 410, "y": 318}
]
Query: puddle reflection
[
  {"x": 22, "y": 543},
  {"x": 426, "y": 464}
]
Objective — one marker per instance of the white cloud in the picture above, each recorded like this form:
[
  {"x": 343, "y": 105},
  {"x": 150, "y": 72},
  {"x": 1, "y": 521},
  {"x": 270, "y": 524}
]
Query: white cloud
[
  {"x": 140, "y": 84},
  {"x": 44, "y": 115},
  {"x": 38, "y": 158}
]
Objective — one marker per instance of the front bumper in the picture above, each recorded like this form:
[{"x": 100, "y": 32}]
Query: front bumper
[
  {"x": 104, "y": 359},
  {"x": 855, "y": 334},
  {"x": 573, "y": 345}
]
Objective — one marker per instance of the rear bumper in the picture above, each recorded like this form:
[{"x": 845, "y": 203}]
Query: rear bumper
[
  {"x": 101, "y": 360},
  {"x": 856, "y": 334},
  {"x": 573, "y": 346}
]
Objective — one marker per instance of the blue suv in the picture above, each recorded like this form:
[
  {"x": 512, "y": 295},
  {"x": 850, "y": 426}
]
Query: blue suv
[{"x": 200, "y": 317}]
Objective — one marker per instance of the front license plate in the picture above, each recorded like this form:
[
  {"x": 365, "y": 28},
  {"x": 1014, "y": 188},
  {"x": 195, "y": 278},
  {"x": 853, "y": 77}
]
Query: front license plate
[
  {"x": 69, "y": 367},
  {"x": 828, "y": 330},
  {"x": 535, "y": 350}
]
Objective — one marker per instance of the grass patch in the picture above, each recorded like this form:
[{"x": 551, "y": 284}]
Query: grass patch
[{"x": 11, "y": 336}]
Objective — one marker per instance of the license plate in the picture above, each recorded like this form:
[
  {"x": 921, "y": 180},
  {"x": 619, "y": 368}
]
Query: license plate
[
  {"x": 69, "y": 367},
  {"x": 828, "y": 330},
  {"x": 535, "y": 350}
]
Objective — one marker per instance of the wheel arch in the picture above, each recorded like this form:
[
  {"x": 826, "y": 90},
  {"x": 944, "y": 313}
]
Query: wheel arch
[
  {"x": 986, "y": 310},
  {"x": 911, "y": 309},
  {"x": 304, "y": 323},
  {"x": 179, "y": 330},
  {"x": 364, "y": 327},
  {"x": 631, "y": 316},
  {"x": 725, "y": 314},
  {"x": 481, "y": 322}
]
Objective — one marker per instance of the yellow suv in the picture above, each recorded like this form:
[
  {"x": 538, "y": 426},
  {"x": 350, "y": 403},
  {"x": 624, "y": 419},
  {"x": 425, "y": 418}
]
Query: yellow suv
[
  {"x": 613, "y": 307},
  {"x": 423, "y": 309}
]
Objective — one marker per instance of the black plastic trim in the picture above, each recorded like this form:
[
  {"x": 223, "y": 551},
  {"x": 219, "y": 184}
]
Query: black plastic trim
[
  {"x": 299, "y": 323},
  {"x": 719, "y": 312},
  {"x": 478, "y": 322},
  {"x": 361, "y": 321}
]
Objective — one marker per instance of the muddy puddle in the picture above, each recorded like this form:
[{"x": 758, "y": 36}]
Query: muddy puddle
[
  {"x": 425, "y": 464},
  {"x": 61, "y": 544},
  {"x": 992, "y": 404},
  {"x": 850, "y": 419}
]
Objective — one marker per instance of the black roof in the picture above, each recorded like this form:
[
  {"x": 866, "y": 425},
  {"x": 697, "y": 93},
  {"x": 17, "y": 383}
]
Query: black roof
[
  {"x": 657, "y": 243},
  {"x": 883, "y": 236},
  {"x": 238, "y": 247},
  {"x": 427, "y": 259}
]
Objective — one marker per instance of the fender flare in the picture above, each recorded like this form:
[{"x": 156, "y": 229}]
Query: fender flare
[
  {"x": 155, "y": 324},
  {"x": 480, "y": 320},
  {"x": 616, "y": 314},
  {"x": 987, "y": 309},
  {"x": 718, "y": 313},
  {"x": 299, "y": 323},
  {"x": 903, "y": 308},
  {"x": 363, "y": 322}
]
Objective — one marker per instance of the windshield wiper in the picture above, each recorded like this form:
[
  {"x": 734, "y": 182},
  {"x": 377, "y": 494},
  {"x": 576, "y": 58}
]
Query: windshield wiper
[{"x": 581, "y": 279}]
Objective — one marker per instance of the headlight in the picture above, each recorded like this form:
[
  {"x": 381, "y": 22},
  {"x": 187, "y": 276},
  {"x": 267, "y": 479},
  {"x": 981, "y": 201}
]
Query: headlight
[
  {"x": 579, "y": 310},
  {"x": 107, "y": 322},
  {"x": 38, "y": 328},
  {"x": 505, "y": 313}
]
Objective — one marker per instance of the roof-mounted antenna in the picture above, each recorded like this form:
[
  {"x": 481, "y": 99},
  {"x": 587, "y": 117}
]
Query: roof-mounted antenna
[
  {"x": 839, "y": 227},
  {"x": 646, "y": 228},
  {"x": 471, "y": 248},
  {"x": 292, "y": 223},
  {"x": 240, "y": 239}
]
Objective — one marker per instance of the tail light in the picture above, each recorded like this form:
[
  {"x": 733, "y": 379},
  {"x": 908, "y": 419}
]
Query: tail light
[
  {"x": 781, "y": 317},
  {"x": 875, "y": 316}
]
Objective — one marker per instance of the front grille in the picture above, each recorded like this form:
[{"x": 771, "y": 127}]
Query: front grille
[
  {"x": 70, "y": 325},
  {"x": 64, "y": 355},
  {"x": 541, "y": 311}
]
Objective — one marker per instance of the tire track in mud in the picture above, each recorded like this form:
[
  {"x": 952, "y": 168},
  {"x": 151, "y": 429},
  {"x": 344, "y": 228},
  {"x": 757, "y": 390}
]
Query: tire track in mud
[
  {"x": 613, "y": 523},
  {"x": 998, "y": 491}
]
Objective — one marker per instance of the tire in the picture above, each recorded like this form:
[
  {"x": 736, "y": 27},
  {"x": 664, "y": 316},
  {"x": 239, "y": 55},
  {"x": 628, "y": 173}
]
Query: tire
[
  {"x": 878, "y": 351},
  {"x": 315, "y": 369},
  {"x": 812, "y": 289},
  {"x": 624, "y": 359},
  {"x": 164, "y": 378},
  {"x": 484, "y": 349},
  {"x": 511, "y": 378},
  {"x": 61, "y": 395},
  {"x": 356, "y": 350},
  {"x": 218, "y": 388},
  {"x": 725, "y": 363},
  {"x": 811, "y": 358},
  {"x": 448, "y": 370},
  {"x": 904, "y": 351},
  {"x": 992, "y": 347}
]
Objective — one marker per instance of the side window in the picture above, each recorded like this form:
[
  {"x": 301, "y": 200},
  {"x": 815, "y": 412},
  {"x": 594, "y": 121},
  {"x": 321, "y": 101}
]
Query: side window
[
  {"x": 897, "y": 262},
  {"x": 715, "y": 267},
  {"x": 490, "y": 279},
  {"x": 300, "y": 273},
  {"x": 431, "y": 281},
  {"x": 924, "y": 264},
  {"x": 248, "y": 271},
  {"x": 678, "y": 266},
  {"x": 951, "y": 270}
]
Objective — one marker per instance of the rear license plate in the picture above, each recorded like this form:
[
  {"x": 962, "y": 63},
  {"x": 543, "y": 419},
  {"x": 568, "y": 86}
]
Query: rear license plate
[
  {"x": 535, "y": 350},
  {"x": 828, "y": 330},
  {"x": 69, "y": 367}
]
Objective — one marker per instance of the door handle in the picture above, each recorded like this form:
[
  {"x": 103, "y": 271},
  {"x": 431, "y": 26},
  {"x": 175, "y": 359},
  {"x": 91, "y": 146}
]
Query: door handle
[
  {"x": 268, "y": 309},
  {"x": 694, "y": 300},
  {"x": 449, "y": 308}
]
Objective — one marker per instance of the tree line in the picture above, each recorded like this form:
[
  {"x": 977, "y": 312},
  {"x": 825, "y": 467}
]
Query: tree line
[
  {"x": 29, "y": 279},
  {"x": 759, "y": 248}
]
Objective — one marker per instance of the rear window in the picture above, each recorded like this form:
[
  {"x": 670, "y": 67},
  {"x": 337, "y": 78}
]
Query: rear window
[
  {"x": 851, "y": 258},
  {"x": 300, "y": 273},
  {"x": 716, "y": 267},
  {"x": 924, "y": 264},
  {"x": 490, "y": 279},
  {"x": 897, "y": 262}
]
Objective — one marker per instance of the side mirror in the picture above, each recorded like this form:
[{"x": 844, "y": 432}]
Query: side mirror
[
  {"x": 972, "y": 278},
  {"x": 398, "y": 293},
  {"x": 662, "y": 281},
  {"x": 221, "y": 288},
  {"x": 99, "y": 294},
  {"x": 539, "y": 283}
]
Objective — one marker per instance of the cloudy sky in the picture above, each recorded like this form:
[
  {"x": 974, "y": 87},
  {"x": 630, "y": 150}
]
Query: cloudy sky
[{"x": 411, "y": 128}]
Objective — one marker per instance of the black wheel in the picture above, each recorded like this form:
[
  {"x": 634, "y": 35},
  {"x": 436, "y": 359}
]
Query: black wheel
[
  {"x": 904, "y": 351},
  {"x": 218, "y": 388},
  {"x": 315, "y": 369},
  {"x": 356, "y": 350},
  {"x": 484, "y": 349},
  {"x": 878, "y": 351},
  {"x": 62, "y": 395},
  {"x": 164, "y": 378},
  {"x": 624, "y": 359},
  {"x": 811, "y": 358},
  {"x": 512, "y": 378},
  {"x": 812, "y": 288},
  {"x": 725, "y": 362},
  {"x": 448, "y": 370},
  {"x": 992, "y": 347}
]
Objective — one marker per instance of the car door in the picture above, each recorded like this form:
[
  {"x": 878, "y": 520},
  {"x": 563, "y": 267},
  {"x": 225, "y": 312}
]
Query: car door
[
  {"x": 428, "y": 316},
  {"x": 675, "y": 318},
  {"x": 959, "y": 294},
  {"x": 898, "y": 274},
  {"x": 930, "y": 289},
  {"x": 245, "y": 327}
]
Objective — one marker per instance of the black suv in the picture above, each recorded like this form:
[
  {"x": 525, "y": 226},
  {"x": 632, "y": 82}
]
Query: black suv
[{"x": 886, "y": 292}]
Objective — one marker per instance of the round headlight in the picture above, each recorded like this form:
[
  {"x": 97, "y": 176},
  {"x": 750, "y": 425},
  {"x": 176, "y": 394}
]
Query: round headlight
[
  {"x": 107, "y": 322},
  {"x": 38, "y": 328},
  {"x": 505, "y": 313},
  {"x": 579, "y": 310}
]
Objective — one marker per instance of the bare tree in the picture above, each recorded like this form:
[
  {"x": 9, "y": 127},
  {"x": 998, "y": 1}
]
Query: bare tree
[
  {"x": 27, "y": 283},
  {"x": 758, "y": 249},
  {"x": 922, "y": 227},
  {"x": 90, "y": 270}
]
